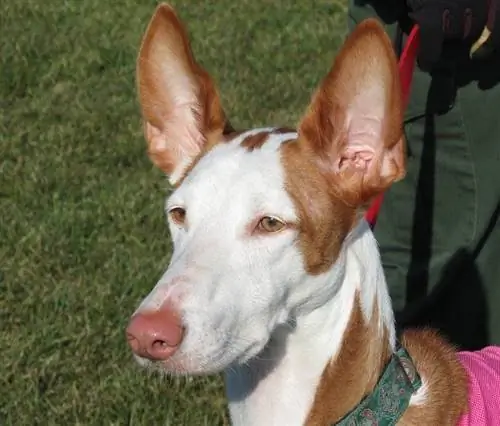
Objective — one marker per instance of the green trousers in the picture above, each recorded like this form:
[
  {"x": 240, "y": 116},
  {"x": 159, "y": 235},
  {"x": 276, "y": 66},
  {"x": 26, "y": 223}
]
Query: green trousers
[{"x": 438, "y": 228}]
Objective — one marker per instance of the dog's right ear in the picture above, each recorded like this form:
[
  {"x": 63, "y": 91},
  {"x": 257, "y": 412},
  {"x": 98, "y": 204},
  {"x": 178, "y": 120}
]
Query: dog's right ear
[{"x": 180, "y": 104}]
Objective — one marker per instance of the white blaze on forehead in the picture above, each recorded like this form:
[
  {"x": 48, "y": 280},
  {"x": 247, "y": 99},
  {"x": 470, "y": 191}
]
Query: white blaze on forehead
[
  {"x": 231, "y": 177},
  {"x": 225, "y": 193}
]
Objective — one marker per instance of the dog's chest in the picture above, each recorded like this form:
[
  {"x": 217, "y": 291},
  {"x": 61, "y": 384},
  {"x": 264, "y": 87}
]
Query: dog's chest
[
  {"x": 265, "y": 393},
  {"x": 275, "y": 400}
]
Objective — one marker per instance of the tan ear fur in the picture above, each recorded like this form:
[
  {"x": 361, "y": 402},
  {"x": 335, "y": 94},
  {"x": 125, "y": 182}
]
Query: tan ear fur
[
  {"x": 180, "y": 105},
  {"x": 354, "y": 122}
]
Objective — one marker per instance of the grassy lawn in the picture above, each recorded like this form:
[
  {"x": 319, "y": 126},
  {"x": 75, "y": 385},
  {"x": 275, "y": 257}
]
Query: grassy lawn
[{"x": 82, "y": 235}]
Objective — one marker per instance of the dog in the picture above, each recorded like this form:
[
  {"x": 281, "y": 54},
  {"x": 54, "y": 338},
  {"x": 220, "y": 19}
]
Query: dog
[{"x": 275, "y": 277}]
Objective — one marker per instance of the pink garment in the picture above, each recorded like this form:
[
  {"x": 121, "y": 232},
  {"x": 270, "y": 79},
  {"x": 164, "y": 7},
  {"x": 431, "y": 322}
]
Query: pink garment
[{"x": 483, "y": 368}]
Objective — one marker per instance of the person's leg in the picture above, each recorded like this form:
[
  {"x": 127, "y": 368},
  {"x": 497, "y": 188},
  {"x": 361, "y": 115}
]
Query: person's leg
[
  {"x": 480, "y": 107},
  {"x": 435, "y": 227}
]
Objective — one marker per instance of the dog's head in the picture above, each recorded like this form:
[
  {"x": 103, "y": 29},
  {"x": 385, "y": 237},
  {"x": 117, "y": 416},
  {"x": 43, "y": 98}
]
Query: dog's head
[{"x": 259, "y": 217}]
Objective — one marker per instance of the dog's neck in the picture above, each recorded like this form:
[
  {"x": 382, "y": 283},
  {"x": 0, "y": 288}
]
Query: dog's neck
[{"x": 335, "y": 351}]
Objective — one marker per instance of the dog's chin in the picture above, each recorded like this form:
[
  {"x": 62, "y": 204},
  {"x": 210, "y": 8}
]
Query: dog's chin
[{"x": 181, "y": 365}]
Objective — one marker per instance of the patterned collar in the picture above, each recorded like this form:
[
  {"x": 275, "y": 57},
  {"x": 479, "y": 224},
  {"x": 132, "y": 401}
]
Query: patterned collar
[{"x": 390, "y": 397}]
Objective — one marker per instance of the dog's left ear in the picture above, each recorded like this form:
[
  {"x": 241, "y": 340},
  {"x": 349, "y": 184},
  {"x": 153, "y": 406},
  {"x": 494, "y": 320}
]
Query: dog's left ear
[{"x": 354, "y": 122}]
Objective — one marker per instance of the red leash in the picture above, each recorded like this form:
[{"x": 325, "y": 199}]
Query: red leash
[{"x": 406, "y": 67}]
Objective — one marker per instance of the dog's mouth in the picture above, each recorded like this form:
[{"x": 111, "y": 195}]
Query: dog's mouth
[
  {"x": 164, "y": 367},
  {"x": 182, "y": 368},
  {"x": 226, "y": 356}
]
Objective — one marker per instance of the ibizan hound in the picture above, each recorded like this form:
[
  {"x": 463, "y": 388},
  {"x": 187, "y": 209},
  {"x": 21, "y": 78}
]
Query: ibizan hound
[{"x": 275, "y": 277}]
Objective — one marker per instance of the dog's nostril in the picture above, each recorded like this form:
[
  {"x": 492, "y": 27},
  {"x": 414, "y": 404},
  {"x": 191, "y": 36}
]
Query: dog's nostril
[{"x": 159, "y": 344}]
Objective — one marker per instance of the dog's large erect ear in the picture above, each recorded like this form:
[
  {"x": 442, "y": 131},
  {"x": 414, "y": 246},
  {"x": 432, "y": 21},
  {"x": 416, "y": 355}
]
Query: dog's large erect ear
[
  {"x": 180, "y": 104},
  {"x": 354, "y": 122}
]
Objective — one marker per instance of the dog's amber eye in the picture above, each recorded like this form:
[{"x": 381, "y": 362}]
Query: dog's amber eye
[
  {"x": 270, "y": 224},
  {"x": 178, "y": 215}
]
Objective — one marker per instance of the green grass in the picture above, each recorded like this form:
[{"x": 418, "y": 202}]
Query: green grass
[{"x": 82, "y": 234}]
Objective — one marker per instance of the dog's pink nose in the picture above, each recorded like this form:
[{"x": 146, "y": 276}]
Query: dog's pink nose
[{"x": 155, "y": 335}]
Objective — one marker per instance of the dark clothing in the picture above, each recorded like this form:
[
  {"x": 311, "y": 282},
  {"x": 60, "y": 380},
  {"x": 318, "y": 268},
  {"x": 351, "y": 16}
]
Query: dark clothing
[{"x": 438, "y": 228}]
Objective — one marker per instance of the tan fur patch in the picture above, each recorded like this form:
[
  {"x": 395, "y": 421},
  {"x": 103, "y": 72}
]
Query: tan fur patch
[
  {"x": 363, "y": 355},
  {"x": 283, "y": 130},
  {"x": 324, "y": 220},
  {"x": 255, "y": 141},
  {"x": 445, "y": 378},
  {"x": 354, "y": 372}
]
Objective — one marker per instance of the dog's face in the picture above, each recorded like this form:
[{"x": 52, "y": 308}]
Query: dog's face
[
  {"x": 236, "y": 268},
  {"x": 258, "y": 218}
]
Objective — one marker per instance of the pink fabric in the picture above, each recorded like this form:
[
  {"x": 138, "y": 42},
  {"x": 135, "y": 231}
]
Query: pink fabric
[{"x": 483, "y": 368}]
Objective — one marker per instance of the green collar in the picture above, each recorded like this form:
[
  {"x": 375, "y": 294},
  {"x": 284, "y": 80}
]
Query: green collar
[{"x": 391, "y": 396}]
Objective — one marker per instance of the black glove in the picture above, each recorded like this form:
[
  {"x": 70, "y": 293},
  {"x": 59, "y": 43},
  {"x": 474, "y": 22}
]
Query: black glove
[
  {"x": 490, "y": 37},
  {"x": 443, "y": 21}
]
